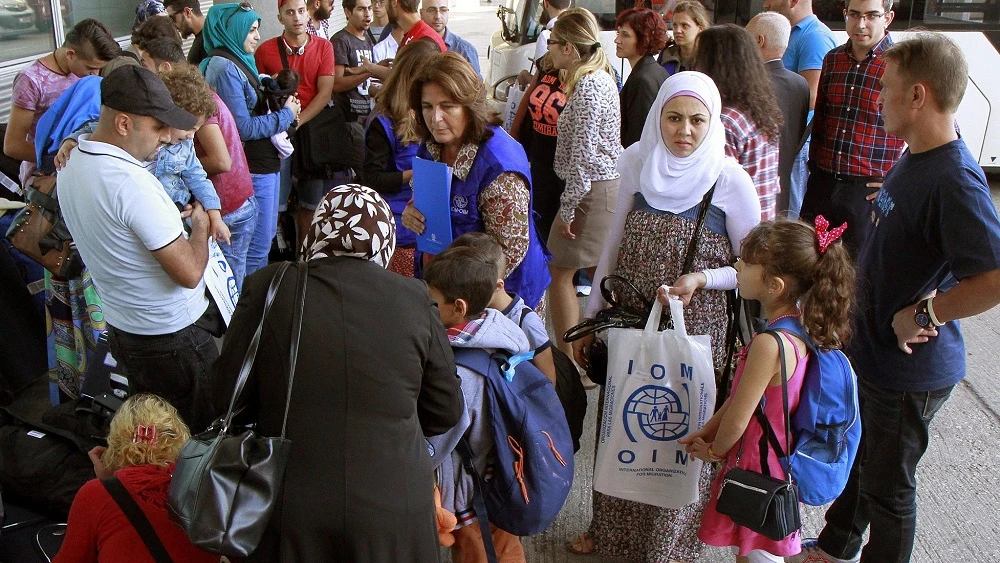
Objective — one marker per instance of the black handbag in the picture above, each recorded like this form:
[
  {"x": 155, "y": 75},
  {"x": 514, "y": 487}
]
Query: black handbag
[
  {"x": 227, "y": 480},
  {"x": 758, "y": 501},
  {"x": 619, "y": 316}
]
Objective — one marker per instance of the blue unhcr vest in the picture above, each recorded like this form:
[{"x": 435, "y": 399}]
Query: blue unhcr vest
[
  {"x": 501, "y": 153},
  {"x": 403, "y": 154}
]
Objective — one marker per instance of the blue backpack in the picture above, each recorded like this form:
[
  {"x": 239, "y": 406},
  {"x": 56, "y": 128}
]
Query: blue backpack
[
  {"x": 533, "y": 472},
  {"x": 826, "y": 426}
]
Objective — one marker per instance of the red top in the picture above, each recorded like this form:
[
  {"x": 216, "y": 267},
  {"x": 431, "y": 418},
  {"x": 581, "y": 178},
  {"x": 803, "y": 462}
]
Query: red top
[
  {"x": 234, "y": 187},
  {"x": 99, "y": 532},
  {"x": 421, "y": 30},
  {"x": 315, "y": 61}
]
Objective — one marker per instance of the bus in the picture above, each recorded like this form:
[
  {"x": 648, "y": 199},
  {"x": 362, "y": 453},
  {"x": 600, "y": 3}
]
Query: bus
[{"x": 973, "y": 24}]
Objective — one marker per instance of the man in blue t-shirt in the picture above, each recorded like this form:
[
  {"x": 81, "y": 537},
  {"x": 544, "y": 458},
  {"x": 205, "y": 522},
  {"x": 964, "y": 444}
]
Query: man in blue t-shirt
[
  {"x": 932, "y": 257},
  {"x": 809, "y": 42}
]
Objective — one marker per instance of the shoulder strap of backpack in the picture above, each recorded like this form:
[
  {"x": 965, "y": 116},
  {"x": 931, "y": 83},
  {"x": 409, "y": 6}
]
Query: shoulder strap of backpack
[
  {"x": 139, "y": 521},
  {"x": 475, "y": 359},
  {"x": 478, "y": 499}
]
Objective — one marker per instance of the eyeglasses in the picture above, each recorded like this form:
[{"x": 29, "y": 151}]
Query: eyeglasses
[
  {"x": 869, "y": 17},
  {"x": 244, "y": 6}
]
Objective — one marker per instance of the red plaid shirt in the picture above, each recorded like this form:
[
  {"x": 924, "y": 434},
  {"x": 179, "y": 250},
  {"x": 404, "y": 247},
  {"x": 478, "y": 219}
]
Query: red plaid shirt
[
  {"x": 757, "y": 154},
  {"x": 848, "y": 136}
]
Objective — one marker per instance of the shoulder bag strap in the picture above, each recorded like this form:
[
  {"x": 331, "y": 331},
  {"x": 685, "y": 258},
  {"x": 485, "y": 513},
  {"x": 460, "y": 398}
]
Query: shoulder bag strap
[
  {"x": 478, "y": 499},
  {"x": 282, "y": 52},
  {"x": 248, "y": 358},
  {"x": 293, "y": 350},
  {"x": 138, "y": 519},
  {"x": 696, "y": 237},
  {"x": 769, "y": 435},
  {"x": 251, "y": 77}
]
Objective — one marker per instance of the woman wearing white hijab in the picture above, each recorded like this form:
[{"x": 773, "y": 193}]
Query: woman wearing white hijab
[{"x": 664, "y": 179}]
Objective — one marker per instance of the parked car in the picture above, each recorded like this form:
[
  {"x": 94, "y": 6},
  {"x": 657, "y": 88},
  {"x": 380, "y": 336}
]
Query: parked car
[
  {"x": 43, "y": 13},
  {"x": 16, "y": 18}
]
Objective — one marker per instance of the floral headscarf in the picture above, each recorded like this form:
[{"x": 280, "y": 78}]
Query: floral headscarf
[{"x": 352, "y": 220}]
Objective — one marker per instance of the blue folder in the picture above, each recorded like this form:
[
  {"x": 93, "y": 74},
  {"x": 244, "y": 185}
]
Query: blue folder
[{"x": 432, "y": 197}]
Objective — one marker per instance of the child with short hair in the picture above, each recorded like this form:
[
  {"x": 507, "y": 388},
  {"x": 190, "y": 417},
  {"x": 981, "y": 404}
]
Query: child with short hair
[
  {"x": 461, "y": 280},
  {"x": 511, "y": 304},
  {"x": 782, "y": 263}
]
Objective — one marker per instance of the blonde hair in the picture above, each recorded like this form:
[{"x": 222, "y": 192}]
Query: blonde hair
[
  {"x": 124, "y": 450},
  {"x": 393, "y": 100},
  {"x": 579, "y": 27}
]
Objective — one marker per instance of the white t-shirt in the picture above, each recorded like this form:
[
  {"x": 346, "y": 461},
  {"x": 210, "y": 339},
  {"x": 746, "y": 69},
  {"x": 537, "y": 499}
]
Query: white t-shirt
[
  {"x": 541, "y": 44},
  {"x": 118, "y": 213},
  {"x": 385, "y": 49}
]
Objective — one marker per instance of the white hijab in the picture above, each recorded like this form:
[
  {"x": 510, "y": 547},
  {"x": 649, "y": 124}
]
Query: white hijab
[{"x": 672, "y": 183}]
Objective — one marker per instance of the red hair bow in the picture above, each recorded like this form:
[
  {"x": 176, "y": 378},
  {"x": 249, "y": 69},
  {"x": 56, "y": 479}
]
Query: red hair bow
[{"x": 824, "y": 237}]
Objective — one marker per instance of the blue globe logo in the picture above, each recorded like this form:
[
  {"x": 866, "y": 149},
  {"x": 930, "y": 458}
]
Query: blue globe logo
[{"x": 658, "y": 412}]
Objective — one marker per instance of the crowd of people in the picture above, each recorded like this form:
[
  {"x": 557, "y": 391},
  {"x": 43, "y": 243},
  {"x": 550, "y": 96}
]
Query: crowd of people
[{"x": 691, "y": 174}]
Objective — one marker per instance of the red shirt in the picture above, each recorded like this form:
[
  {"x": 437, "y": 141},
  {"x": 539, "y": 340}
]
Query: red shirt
[
  {"x": 419, "y": 31},
  {"x": 315, "y": 61},
  {"x": 234, "y": 187},
  {"x": 98, "y": 531}
]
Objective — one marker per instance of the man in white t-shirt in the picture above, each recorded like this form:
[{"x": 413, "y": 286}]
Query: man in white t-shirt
[{"x": 148, "y": 273}]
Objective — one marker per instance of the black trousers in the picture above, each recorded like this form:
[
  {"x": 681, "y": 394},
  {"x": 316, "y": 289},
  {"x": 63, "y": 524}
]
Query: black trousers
[
  {"x": 881, "y": 491},
  {"x": 840, "y": 199}
]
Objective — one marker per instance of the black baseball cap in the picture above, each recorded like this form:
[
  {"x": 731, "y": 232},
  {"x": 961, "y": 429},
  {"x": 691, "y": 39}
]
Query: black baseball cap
[{"x": 138, "y": 90}]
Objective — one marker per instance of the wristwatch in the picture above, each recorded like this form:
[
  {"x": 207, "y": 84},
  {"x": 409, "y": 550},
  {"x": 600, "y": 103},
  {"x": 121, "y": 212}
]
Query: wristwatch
[{"x": 923, "y": 317}]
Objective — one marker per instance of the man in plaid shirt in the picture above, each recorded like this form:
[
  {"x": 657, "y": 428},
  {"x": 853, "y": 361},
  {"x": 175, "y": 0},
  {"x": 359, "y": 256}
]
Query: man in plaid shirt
[{"x": 851, "y": 151}]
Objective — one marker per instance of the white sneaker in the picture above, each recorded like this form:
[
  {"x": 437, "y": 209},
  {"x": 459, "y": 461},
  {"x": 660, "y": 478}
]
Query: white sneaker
[{"x": 811, "y": 553}]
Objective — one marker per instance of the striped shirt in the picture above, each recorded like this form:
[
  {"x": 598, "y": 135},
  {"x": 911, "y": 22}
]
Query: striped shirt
[
  {"x": 757, "y": 154},
  {"x": 848, "y": 135}
]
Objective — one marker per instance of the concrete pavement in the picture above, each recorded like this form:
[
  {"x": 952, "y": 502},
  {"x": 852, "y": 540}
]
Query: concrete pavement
[{"x": 959, "y": 490}]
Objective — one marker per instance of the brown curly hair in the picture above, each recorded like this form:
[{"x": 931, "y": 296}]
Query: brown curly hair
[
  {"x": 457, "y": 78},
  {"x": 650, "y": 29},
  {"x": 728, "y": 54},
  {"x": 823, "y": 284},
  {"x": 189, "y": 90}
]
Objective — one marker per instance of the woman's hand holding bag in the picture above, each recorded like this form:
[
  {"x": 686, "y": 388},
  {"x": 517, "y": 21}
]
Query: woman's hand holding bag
[{"x": 660, "y": 388}]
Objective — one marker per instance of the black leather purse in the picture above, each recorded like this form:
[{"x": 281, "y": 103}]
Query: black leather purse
[
  {"x": 758, "y": 501},
  {"x": 227, "y": 480}
]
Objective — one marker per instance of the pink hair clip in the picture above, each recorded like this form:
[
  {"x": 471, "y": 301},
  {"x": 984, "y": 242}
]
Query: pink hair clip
[
  {"x": 824, "y": 237},
  {"x": 144, "y": 433}
]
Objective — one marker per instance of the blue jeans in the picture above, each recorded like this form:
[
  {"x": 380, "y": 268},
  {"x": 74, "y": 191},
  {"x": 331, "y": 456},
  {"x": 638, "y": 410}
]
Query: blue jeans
[
  {"x": 265, "y": 191},
  {"x": 800, "y": 175},
  {"x": 882, "y": 489},
  {"x": 284, "y": 184},
  {"x": 241, "y": 225}
]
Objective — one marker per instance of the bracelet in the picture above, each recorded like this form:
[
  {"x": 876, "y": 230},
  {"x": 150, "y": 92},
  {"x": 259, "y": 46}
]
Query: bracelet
[
  {"x": 930, "y": 312},
  {"x": 714, "y": 456}
]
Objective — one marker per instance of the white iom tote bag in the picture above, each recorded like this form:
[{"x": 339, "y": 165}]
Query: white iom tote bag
[{"x": 661, "y": 387}]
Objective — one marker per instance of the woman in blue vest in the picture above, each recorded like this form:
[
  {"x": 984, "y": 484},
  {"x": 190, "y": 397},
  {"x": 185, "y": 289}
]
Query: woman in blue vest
[
  {"x": 491, "y": 186},
  {"x": 391, "y": 142}
]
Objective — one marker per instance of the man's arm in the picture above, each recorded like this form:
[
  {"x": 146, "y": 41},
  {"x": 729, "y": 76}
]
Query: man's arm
[
  {"x": 324, "y": 91},
  {"x": 184, "y": 260},
  {"x": 15, "y": 140},
  {"x": 215, "y": 158},
  {"x": 345, "y": 80},
  {"x": 812, "y": 77}
]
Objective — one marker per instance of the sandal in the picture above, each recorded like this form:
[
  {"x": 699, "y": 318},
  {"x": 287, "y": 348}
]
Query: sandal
[{"x": 582, "y": 545}]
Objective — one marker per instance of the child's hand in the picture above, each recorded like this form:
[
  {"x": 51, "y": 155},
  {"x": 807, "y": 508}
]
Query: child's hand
[
  {"x": 684, "y": 287},
  {"x": 218, "y": 229},
  {"x": 62, "y": 157},
  {"x": 698, "y": 449},
  {"x": 446, "y": 521},
  {"x": 700, "y": 434}
]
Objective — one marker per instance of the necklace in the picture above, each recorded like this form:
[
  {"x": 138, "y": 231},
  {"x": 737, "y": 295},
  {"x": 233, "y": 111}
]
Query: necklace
[{"x": 788, "y": 316}]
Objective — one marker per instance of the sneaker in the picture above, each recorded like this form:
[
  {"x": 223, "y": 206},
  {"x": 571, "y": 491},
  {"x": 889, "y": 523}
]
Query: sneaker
[
  {"x": 811, "y": 553},
  {"x": 582, "y": 290}
]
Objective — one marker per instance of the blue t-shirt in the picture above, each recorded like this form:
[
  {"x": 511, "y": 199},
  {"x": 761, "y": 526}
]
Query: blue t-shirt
[
  {"x": 934, "y": 222},
  {"x": 809, "y": 42}
]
